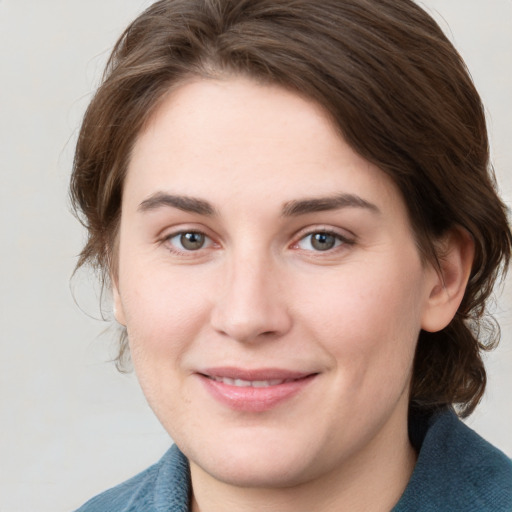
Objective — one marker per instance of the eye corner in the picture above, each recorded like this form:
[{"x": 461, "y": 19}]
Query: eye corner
[
  {"x": 188, "y": 242},
  {"x": 322, "y": 240}
]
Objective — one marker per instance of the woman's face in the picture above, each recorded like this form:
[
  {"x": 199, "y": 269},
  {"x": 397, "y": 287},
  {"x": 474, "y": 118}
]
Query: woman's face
[{"x": 270, "y": 285}]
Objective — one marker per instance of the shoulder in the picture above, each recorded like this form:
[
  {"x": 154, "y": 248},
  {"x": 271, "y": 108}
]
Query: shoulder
[
  {"x": 458, "y": 470},
  {"x": 163, "y": 487}
]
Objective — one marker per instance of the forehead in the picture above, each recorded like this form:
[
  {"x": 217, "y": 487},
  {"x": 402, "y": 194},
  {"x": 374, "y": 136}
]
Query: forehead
[{"x": 234, "y": 140}]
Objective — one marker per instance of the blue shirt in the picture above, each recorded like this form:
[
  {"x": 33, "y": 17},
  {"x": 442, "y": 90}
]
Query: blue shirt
[{"x": 456, "y": 471}]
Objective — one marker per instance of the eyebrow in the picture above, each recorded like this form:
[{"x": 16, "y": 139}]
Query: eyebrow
[
  {"x": 290, "y": 208},
  {"x": 185, "y": 203},
  {"x": 321, "y": 204}
]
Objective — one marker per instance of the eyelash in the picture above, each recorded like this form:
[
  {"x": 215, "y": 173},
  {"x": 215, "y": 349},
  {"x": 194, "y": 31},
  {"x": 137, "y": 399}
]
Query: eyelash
[
  {"x": 340, "y": 241},
  {"x": 179, "y": 234}
]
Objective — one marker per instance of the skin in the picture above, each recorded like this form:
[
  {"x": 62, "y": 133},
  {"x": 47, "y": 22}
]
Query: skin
[{"x": 258, "y": 294}]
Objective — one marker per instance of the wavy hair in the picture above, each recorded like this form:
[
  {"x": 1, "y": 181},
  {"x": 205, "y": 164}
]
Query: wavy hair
[{"x": 395, "y": 87}]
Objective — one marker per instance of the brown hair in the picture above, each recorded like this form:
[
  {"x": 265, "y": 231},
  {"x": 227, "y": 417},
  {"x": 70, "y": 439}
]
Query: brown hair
[{"x": 396, "y": 88}]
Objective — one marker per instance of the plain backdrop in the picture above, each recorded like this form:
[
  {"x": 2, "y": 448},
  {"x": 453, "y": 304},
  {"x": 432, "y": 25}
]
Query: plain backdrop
[{"x": 71, "y": 425}]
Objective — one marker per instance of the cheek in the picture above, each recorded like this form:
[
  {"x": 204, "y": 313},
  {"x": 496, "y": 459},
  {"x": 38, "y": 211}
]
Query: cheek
[
  {"x": 164, "y": 315},
  {"x": 164, "y": 311},
  {"x": 368, "y": 320}
]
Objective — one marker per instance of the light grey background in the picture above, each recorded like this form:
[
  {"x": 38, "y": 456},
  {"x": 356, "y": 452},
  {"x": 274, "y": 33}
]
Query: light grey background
[{"x": 72, "y": 426}]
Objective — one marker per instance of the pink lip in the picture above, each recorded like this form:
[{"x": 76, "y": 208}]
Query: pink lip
[{"x": 254, "y": 399}]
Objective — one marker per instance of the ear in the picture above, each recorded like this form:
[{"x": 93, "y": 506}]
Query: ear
[
  {"x": 117, "y": 303},
  {"x": 455, "y": 252}
]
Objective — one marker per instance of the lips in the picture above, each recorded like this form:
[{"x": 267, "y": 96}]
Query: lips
[
  {"x": 254, "y": 390},
  {"x": 240, "y": 383}
]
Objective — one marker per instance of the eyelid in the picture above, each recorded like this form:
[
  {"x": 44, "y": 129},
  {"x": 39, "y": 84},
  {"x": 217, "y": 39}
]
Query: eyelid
[
  {"x": 171, "y": 233},
  {"x": 346, "y": 237}
]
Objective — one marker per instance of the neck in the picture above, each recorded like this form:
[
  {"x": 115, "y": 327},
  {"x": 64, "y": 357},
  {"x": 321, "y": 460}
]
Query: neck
[{"x": 371, "y": 481}]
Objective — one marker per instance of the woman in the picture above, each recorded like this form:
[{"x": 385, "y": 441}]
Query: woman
[{"x": 293, "y": 206}]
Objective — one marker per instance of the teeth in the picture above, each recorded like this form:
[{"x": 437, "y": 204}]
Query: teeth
[
  {"x": 250, "y": 383},
  {"x": 240, "y": 383},
  {"x": 265, "y": 383}
]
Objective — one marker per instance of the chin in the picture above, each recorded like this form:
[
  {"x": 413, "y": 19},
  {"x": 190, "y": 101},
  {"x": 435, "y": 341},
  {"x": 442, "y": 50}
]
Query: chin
[
  {"x": 269, "y": 463},
  {"x": 259, "y": 472}
]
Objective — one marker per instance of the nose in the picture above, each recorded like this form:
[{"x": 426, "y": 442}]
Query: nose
[{"x": 252, "y": 305}]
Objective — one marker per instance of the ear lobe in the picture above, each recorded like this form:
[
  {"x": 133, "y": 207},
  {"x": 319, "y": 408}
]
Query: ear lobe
[
  {"x": 117, "y": 304},
  {"x": 456, "y": 253}
]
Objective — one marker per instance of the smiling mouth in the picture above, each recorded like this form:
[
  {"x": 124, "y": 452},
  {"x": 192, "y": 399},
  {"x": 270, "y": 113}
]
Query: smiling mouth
[
  {"x": 254, "y": 391},
  {"x": 241, "y": 383}
]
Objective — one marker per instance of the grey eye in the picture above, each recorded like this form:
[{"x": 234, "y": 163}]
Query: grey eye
[
  {"x": 192, "y": 241},
  {"x": 323, "y": 241},
  {"x": 188, "y": 241},
  {"x": 320, "y": 241}
]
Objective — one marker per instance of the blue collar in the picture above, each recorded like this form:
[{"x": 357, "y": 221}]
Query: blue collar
[{"x": 456, "y": 471}]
